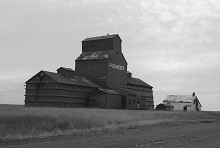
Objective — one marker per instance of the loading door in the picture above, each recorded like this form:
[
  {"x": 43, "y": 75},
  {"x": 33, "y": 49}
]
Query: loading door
[{"x": 123, "y": 102}]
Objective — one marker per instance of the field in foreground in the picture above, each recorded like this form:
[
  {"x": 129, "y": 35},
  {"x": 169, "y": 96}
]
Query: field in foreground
[{"x": 24, "y": 122}]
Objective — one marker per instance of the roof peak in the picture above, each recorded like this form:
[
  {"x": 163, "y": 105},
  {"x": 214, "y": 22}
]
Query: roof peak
[
  {"x": 69, "y": 69},
  {"x": 100, "y": 37}
]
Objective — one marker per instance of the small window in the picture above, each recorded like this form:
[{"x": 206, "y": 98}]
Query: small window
[
  {"x": 129, "y": 102},
  {"x": 134, "y": 101}
]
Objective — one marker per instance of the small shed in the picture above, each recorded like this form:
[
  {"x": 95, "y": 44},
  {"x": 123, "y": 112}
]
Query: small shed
[
  {"x": 183, "y": 102},
  {"x": 165, "y": 107}
]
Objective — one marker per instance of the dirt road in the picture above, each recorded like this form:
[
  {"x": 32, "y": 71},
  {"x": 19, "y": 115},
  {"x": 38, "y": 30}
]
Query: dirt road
[{"x": 202, "y": 135}]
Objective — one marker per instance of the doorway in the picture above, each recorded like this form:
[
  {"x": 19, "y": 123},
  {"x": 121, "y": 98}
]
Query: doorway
[{"x": 123, "y": 102}]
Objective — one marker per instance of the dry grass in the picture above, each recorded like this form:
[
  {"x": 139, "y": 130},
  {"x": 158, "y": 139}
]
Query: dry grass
[{"x": 22, "y": 122}]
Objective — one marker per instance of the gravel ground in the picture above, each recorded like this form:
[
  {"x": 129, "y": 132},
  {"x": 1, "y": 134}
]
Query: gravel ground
[{"x": 201, "y": 135}]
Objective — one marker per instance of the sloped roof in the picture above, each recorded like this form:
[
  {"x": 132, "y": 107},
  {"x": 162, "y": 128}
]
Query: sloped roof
[
  {"x": 137, "y": 81},
  {"x": 101, "y": 37},
  {"x": 123, "y": 91},
  {"x": 109, "y": 91},
  {"x": 180, "y": 98},
  {"x": 95, "y": 55},
  {"x": 76, "y": 81},
  {"x": 68, "y": 69},
  {"x": 82, "y": 81}
]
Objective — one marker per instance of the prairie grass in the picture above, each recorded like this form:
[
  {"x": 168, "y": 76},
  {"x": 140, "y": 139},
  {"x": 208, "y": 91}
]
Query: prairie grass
[{"x": 24, "y": 122}]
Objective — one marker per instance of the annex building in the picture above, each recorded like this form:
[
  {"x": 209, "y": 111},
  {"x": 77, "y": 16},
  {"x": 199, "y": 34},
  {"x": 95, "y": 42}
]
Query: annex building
[{"x": 100, "y": 80}]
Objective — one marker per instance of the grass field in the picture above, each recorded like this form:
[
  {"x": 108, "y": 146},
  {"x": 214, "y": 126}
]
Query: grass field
[{"x": 24, "y": 122}]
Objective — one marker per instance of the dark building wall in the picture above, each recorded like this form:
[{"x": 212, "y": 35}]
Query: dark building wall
[
  {"x": 101, "y": 99},
  {"x": 56, "y": 98},
  {"x": 117, "y": 70},
  {"x": 66, "y": 73},
  {"x": 142, "y": 91},
  {"x": 113, "y": 101},
  {"x": 102, "y": 44},
  {"x": 132, "y": 102},
  {"x": 97, "y": 45},
  {"x": 117, "y": 44},
  {"x": 53, "y": 104},
  {"x": 144, "y": 94},
  {"x": 149, "y": 103},
  {"x": 103, "y": 71},
  {"x": 95, "y": 70},
  {"x": 97, "y": 99},
  {"x": 50, "y": 93},
  {"x": 37, "y": 86}
]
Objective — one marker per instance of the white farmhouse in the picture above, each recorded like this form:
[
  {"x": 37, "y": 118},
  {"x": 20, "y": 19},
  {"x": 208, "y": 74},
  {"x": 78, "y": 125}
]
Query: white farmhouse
[{"x": 183, "y": 102}]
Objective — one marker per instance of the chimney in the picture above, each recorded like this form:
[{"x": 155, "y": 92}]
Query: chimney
[
  {"x": 129, "y": 74},
  {"x": 193, "y": 94}
]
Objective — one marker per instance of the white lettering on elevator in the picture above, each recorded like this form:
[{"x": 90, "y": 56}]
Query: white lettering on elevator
[{"x": 119, "y": 67}]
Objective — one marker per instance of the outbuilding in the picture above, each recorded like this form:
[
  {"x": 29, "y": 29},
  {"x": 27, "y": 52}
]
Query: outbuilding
[
  {"x": 184, "y": 102},
  {"x": 165, "y": 107}
]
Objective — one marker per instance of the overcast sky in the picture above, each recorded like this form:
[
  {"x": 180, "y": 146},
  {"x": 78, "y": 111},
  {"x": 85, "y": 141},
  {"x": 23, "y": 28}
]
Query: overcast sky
[{"x": 173, "y": 45}]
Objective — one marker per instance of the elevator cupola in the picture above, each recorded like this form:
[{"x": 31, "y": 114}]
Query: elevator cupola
[{"x": 102, "y": 43}]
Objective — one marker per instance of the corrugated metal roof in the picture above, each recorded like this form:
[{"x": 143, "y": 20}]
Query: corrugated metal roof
[
  {"x": 137, "y": 81},
  {"x": 180, "y": 98},
  {"x": 100, "y": 37},
  {"x": 95, "y": 55},
  {"x": 74, "y": 81}
]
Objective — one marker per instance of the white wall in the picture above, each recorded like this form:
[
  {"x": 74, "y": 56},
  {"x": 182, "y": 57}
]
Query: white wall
[{"x": 179, "y": 106}]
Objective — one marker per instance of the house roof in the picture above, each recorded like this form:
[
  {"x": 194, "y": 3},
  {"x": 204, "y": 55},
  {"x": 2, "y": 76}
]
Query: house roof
[
  {"x": 95, "y": 55},
  {"x": 136, "y": 81},
  {"x": 180, "y": 98},
  {"x": 101, "y": 37},
  {"x": 82, "y": 81}
]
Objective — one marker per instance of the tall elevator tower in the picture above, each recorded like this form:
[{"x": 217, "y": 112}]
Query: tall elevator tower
[{"x": 102, "y": 61}]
